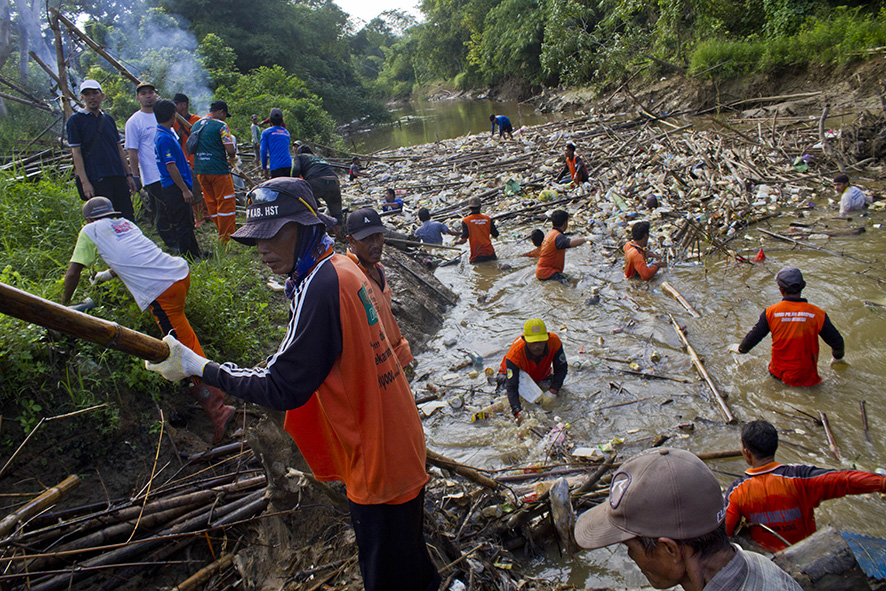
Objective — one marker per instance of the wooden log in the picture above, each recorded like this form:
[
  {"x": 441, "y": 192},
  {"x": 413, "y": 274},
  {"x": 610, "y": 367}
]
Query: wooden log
[
  {"x": 42, "y": 312},
  {"x": 203, "y": 575},
  {"x": 398, "y": 242},
  {"x": 812, "y": 246},
  {"x": 16, "y": 99},
  {"x": 672, "y": 291},
  {"x": 696, "y": 361},
  {"x": 45, "y": 500},
  {"x": 827, "y": 430},
  {"x": 470, "y": 473},
  {"x": 592, "y": 481}
]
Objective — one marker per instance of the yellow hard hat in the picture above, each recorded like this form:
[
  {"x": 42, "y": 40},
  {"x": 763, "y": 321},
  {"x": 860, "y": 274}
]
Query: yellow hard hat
[{"x": 534, "y": 331}]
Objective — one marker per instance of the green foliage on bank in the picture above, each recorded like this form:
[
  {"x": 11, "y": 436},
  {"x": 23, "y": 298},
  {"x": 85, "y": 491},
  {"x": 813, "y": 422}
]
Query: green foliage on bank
[
  {"x": 840, "y": 39},
  {"x": 44, "y": 373},
  {"x": 581, "y": 42}
]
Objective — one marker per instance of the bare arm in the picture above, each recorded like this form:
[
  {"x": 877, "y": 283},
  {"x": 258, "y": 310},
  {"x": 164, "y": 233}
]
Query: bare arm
[
  {"x": 176, "y": 175},
  {"x": 80, "y": 170},
  {"x": 72, "y": 280},
  {"x": 130, "y": 180}
]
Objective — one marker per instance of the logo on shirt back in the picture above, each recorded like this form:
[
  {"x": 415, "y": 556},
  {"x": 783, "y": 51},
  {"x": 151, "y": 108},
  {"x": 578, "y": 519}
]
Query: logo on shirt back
[
  {"x": 121, "y": 226},
  {"x": 371, "y": 314}
]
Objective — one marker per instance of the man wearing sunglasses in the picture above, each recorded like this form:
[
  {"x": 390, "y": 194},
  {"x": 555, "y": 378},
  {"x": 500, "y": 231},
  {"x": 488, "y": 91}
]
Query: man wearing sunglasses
[{"x": 348, "y": 405}]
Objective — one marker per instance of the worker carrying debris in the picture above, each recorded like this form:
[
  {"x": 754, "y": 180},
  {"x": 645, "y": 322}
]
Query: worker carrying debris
[
  {"x": 366, "y": 243},
  {"x": 552, "y": 254},
  {"x": 783, "y": 498},
  {"x": 349, "y": 407},
  {"x": 795, "y": 325},
  {"x": 536, "y": 352},
  {"x": 574, "y": 167},
  {"x": 478, "y": 230},
  {"x": 665, "y": 505},
  {"x": 155, "y": 279},
  {"x": 636, "y": 254},
  {"x": 851, "y": 197}
]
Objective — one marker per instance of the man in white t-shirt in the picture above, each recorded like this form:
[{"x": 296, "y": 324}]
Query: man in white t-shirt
[
  {"x": 851, "y": 197},
  {"x": 139, "y": 143},
  {"x": 155, "y": 279}
]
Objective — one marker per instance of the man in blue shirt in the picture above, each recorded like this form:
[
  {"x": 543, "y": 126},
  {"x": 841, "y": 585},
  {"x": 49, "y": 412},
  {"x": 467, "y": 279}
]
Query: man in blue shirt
[
  {"x": 504, "y": 126},
  {"x": 391, "y": 202},
  {"x": 174, "y": 206},
  {"x": 99, "y": 162},
  {"x": 431, "y": 232},
  {"x": 275, "y": 148}
]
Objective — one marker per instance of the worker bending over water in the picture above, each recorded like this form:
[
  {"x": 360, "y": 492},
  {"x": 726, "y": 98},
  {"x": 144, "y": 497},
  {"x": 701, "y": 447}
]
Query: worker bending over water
[{"x": 539, "y": 354}]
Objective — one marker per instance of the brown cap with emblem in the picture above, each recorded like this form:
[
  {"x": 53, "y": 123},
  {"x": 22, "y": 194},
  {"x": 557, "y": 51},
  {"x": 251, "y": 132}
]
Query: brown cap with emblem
[{"x": 660, "y": 493}]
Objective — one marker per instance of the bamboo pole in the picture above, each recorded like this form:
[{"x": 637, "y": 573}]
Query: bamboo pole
[
  {"x": 204, "y": 574},
  {"x": 812, "y": 246},
  {"x": 62, "y": 73},
  {"x": 16, "y": 99},
  {"x": 672, "y": 291},
  {"x": 470, "y": 473},
  {"x": 45, "y": 500},
  {"x": 399, "y": 242},
  {"x": 827, "y": 431},
  {"x": 37, "y": 310},
  {"x": 696, "y": 361},
  {"x": 54, "y": 76}
]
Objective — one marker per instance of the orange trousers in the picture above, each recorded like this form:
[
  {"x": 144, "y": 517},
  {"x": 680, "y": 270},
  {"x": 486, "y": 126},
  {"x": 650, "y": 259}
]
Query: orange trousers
[
  {"x": 218, "y": 194},
  {"x": 169, "y": 312}
]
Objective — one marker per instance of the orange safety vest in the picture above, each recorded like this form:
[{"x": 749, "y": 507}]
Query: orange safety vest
[
  {"x": 361, "y": 426},
  {"x": 537, "y": 370},
  {"x": 400, "y": 344},
  {"x": 479, "y": 235},
  {"x": 795, "y": 327},
  {"x": 551, "y": 259},
  {"x": 183, "y": 135}
]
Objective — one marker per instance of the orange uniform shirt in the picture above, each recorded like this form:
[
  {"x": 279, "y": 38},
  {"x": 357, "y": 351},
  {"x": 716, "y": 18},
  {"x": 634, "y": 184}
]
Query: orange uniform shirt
[
  {"x": 635, "y": 263},
  {"x": 183, "y": 135},
  {"x": 398, "y": 341},
  {"x": 795, "y": 327},
  {"x": 552, "y": 258},
  {"x": 536, "y": 370},
  {"x": 480, "y": 231}
]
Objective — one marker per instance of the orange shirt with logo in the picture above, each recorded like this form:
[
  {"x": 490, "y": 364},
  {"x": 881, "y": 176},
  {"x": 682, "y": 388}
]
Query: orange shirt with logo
[
  {"x": 537, "y": 370},
  {"x": 479, "y": 235},
  {"x": 551, "y": 259},
  {"x": 635, "y": 263},
  {"x": 795, "y": 327}
]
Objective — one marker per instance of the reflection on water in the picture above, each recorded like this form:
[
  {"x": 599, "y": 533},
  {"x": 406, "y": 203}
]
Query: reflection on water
[
  {"x": 631, "y": 319},
  {"x": 424, "y": 122}
]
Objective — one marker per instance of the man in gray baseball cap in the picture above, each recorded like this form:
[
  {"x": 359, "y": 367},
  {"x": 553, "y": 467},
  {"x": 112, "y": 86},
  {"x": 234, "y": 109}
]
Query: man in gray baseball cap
[
  {"x": 666, "y": 506},
  {"x": 795, "y": 325}
]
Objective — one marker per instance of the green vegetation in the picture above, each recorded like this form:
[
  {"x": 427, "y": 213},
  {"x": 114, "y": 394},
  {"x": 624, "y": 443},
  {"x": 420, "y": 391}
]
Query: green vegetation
[{"x": 44, "y": 373}]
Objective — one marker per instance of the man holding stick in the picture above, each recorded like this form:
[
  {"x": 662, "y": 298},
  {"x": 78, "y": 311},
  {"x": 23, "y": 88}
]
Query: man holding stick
[
  {"x": 348, "y": 405},
  {"x": 155, "y": 279},
  {"x": 97, "y": 149}
]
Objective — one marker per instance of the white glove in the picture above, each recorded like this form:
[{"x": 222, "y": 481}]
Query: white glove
[
  {"x": 733, "y": 348},
  {"x": 181, "y": 363},
  {"x": 101, "y": 277},
  {"x": 835, "y": 361}
]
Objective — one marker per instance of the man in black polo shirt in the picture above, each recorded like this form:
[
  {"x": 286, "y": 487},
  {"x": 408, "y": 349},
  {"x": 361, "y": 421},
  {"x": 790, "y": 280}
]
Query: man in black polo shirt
[{"x": 99, "y": 161}]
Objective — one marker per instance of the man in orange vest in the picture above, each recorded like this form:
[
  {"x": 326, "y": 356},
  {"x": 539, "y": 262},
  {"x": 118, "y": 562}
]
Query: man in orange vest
[
  {"x": 636, "y": 253},
  {"x": 535, "y": 352},
  {"x": 478, "y": 230},
  {"x": 552, "y": 256},
  {"x": 574, "y": 166},
  {"x": 795, "y": 325},
  {"x": 348, "y": 405},
  {"x": 366, "y": 243}
]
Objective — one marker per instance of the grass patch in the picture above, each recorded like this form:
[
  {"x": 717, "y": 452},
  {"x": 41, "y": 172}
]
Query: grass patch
[{"x": 837, "y": 39}]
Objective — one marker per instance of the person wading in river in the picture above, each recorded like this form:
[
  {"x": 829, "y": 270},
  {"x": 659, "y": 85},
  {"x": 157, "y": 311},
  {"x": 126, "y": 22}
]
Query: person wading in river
[
  {"x": 636, "y": 254},
  {"x": 552, "y": 256},
  {"x": 348, "y": 405},
  {"x": 536, "y": 352},
  {"x": 155, "y": 279},
  {"x": 366, "y": 240},
  {"x": 795, "y": 325},
  {"x": 783, "y": 498},
  {"x": 478, "y": 230}
]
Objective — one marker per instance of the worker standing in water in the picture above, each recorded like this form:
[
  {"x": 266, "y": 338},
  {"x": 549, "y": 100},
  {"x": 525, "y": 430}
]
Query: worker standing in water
[{"x": 636, "y": 254}]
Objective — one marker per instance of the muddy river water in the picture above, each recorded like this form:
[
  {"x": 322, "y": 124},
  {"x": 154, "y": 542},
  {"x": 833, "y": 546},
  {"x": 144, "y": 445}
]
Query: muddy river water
[{"x": 631, "y": 323}]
